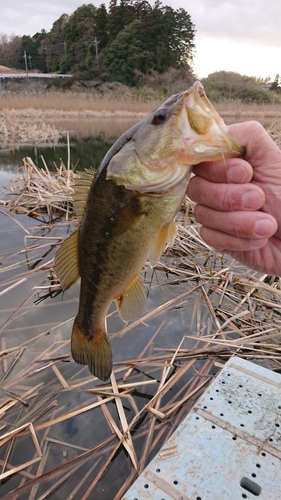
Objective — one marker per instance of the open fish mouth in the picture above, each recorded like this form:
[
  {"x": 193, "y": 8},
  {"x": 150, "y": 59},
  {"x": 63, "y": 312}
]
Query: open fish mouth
[{"x": 206, "y": 124}]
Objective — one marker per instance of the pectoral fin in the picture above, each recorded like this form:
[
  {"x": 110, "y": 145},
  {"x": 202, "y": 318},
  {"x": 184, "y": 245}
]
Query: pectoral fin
[
  {"x": 131, "y": 303},
  {"x": 166, "y": 236},
  {"x": 66, "y": 261}
]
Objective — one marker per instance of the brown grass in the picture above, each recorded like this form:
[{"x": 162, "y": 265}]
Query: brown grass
[
  {"x": 77, "y": 102},
  {"x": 116, "y": 103},
  {"x": 44, "y": 117},
  {"x": 34, "y": 191},
  {"x": 15, "y": 131},
  {"x": 226, "y": 309}
]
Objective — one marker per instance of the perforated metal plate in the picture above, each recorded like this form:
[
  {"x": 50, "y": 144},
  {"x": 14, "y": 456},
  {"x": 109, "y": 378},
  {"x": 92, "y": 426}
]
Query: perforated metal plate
[{"x": 227, "y": 448}]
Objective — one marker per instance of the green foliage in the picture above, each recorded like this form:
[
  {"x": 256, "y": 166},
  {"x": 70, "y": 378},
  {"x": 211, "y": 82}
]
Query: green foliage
[
  {"x": 128, "y": 53},
  {"x": 159, "y": 38},
  {"x": 131, "y": 42},
  {"x": 276, "y": 84},
  {"x": 28, "y": 50},
  {"x": 101, "y": 20},
  {"x": 129, "y": 37},
  {"x": 229, "y": 86}
]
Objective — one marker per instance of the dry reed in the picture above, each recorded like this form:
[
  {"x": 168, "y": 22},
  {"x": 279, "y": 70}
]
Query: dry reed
[
  {"x": 15, "y": 132},
  {"x": 79, "y": 102},
  {"x": 223, "y": 310},
  {"x": 35, "y": 191},
  {"x": 31, "y": 118}
]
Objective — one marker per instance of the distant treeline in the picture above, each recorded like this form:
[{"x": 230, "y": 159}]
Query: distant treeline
[
  {"x": 148, "y": 48},
  {"x": 230, "y": 86},
  {"x": 120, "y": 43}
]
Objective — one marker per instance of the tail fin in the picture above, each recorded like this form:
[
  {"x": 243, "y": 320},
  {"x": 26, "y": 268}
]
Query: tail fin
[{"x": 94, "y": 352}]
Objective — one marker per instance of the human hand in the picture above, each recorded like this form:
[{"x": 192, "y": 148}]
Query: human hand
[{"x": 238, "y": 200}]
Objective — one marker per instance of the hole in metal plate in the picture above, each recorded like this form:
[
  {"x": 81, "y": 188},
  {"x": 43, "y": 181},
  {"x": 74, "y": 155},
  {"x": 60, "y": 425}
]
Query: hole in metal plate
[{"x": 250, "y": 486}]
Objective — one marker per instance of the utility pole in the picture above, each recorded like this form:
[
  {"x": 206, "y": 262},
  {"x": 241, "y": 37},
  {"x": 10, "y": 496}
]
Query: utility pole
[
  {"x": 29, "y": 58},
  {"x": 96, "y": 42},
  {"x": 46, "y": 49},
  {"x": 65, "y": 44},
  {"x": 25, "y": 60}
]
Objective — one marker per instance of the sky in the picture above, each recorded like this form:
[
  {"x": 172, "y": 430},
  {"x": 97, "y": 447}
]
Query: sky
[{"x": 232, "y": 35}]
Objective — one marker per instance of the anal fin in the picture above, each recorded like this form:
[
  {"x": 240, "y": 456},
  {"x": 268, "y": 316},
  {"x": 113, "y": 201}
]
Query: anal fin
[{"x": 132, "y": 302}]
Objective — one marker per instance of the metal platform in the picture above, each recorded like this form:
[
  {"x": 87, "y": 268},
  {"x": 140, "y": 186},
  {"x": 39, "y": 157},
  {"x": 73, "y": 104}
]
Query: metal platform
[{"x": 227, "y": 448}]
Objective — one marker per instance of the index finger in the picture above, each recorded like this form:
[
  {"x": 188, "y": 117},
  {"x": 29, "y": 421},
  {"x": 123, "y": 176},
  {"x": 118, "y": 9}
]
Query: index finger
[{"x": 235, "y": 170}]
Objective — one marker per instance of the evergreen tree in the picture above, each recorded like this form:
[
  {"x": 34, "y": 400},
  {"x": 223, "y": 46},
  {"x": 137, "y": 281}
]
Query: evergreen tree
[
  {"x": 28, "y": 51},
  {"x": 79, "y": 33},
  {"x": 128, "y": 53},
  {"x": 119, "y": 16},
  {"x": 101, "y": 20},
  {"x": 129, "y": 37},
  {"x": 276, "y": 84}
]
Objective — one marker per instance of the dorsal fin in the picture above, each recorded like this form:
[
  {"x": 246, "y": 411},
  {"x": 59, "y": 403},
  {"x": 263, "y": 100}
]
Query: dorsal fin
[
  {"x": 66, "y": 258},
  {"x": 82, "y": 186}
]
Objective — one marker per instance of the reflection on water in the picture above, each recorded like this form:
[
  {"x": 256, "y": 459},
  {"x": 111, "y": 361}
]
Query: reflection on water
[
  {"x": 90, "y": 139},
  {"x": 38, "y": 334},
  {"x": 108, "y": 128},
  {"x": 52, "y": 391},
  {"x": 84, "y": 153}
]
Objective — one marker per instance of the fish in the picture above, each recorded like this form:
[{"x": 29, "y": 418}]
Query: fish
[{"x": 126, "y": 215}]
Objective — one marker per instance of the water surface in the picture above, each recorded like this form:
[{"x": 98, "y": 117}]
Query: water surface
[{"x": 41, "y": 384}]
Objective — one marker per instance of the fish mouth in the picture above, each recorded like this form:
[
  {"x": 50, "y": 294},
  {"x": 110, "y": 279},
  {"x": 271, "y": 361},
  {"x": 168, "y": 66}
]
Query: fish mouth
[{"x": 205, "y": 128}]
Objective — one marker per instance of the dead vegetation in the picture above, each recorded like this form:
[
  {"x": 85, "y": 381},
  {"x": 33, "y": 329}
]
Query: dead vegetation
[
  {"x": 34, "y": 191},
  {"x": 14, "y": 131},
  {"x": 35, "y": 118},
  {"x": 63, "y": 432}
]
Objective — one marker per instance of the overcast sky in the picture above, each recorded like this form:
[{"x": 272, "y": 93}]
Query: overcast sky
[{"x": 232, "y": 35}]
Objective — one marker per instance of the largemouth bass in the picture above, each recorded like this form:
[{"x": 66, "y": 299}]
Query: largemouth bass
[{"x": 127, "y": 215}]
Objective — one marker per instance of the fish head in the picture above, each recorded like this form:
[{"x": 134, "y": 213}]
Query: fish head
[{"x": 158, "y": 153}]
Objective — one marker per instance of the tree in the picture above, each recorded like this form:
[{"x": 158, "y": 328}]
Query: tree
[
  {"x": 119, "y": 17},
  {"x": 228, "y": 85},
  {"x": 276, "y": 84},
  {"x": 128, "y": 53},
  {"x": 29, "y": 49},
  {"x": 131, "y": 35},
  {"x": 101, "y": 20},
  {"x": 57, "y": 45},
  {"x": 78, "y": 33},
  {"x": 169, "y": 34},
  {"x": 10, "y": 49}
]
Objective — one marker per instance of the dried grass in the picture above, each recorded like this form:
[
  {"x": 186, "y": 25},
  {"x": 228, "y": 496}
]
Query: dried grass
[
  {"x": 91, "y": 103},
  {"x": 15, "y": 132},
  {"x": 35, "y": 191},
  {"x": 226, "y": 310}
]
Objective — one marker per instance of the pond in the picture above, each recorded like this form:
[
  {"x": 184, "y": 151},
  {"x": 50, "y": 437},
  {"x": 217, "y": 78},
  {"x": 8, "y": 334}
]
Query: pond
[{"x": 65, "y": 434}]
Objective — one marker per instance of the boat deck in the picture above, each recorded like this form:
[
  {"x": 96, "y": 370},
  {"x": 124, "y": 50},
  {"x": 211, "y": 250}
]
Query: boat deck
[{"x": 229, "y": 445}]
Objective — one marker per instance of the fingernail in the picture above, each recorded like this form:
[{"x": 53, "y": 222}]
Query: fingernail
[
  {"x": 251, "y": 200},
  {"x": 263, "y": 227},
  {"x": 236, "y": 174}
]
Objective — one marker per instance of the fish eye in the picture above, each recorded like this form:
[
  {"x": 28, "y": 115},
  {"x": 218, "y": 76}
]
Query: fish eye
[{"x": 160, "y": 116}]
